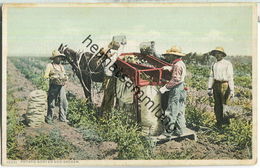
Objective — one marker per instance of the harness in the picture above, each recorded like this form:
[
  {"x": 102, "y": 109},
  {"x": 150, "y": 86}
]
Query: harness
[
  {"x": 89, "y": 69},
  {"x": 80, "y": 72}
]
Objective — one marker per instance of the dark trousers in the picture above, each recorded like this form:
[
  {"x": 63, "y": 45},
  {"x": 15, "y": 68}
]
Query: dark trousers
[
  {"x": 109, "y": 87},
  {"x": 221, "y": 93},
  {"x": 57, "y": 93}
]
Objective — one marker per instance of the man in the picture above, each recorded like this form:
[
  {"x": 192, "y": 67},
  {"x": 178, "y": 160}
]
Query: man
[
  {"x": 57, "y": 78},
  {"x": 175, "y": 112},
  {"x": 153, "y": 51},
  {"x": 109, "y": 84},
  {"x": 221, "y": 84},
  {"x": 148, "y": 48}
]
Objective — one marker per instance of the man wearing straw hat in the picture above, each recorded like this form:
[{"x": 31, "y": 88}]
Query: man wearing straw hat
[
  {"x": 55, "y": 72},
  {"x": 175, "y": 112},
  {"x": 221, "y": 84},
  {"x": 109, "y": 84}
]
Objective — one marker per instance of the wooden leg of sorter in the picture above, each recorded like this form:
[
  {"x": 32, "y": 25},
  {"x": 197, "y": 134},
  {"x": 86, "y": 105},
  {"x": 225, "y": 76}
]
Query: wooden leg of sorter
[{"x": 137, "y": 108}]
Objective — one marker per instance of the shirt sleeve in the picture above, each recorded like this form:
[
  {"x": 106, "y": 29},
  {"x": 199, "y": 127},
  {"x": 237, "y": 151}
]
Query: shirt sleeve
[
  {"x": 109, "y": 63},
  {"x": 176, "y": 76},
  {"x": 47, "y": 71},
  {"x": 230, "y": 77},
  {"x": 114, "y": 57},
  {"x": 211, "y": 77},
  {"x": 111, "y": 60}
]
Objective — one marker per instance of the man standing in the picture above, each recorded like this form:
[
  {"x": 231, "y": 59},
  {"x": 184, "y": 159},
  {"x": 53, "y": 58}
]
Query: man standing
[
  {"x": 57, "y": 78},
  {"x": 221, "y": 84},
  {"x": 109, "y": 84},
  {"x": 175, "y": 112}
]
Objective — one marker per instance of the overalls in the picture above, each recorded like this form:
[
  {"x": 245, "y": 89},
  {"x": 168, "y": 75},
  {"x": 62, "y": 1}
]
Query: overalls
[{"x": 175, "y": 112}]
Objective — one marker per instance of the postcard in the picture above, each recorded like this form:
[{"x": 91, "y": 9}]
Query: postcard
[{"x": 129, "y": 84}]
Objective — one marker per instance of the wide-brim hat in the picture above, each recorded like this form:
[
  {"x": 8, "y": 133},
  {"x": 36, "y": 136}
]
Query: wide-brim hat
[
  {"x": 218, "y": 49},
  {"x": 104, "y": 51},
  {"x": 175, "y": 51},
  {"x": 56, "y": 53}
]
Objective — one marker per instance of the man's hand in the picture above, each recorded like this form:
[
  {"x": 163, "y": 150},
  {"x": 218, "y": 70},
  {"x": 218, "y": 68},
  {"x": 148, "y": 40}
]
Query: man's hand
[
  {"x": 169, "y": 68},
  {"x": 163, "y": 89},
  {"x": 210, "y": 92}
]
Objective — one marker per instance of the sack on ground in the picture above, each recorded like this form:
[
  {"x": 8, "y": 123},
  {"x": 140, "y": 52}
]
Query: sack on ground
[{"x": 37, "y": 108}]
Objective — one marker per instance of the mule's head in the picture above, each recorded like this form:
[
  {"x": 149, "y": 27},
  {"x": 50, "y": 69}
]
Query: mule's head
[
  {"x": 86, "y": 62},
  {"x": 70, "y": 56}
]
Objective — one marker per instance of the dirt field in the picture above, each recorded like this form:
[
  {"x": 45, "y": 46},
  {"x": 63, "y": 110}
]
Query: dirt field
[{"x": 203, "y": 148}]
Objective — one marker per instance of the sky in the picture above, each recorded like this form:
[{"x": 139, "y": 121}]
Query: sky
[{"x": 38, "y": 31}]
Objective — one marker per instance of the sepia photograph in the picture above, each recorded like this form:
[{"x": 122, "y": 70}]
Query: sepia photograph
[{"x": 129, "y": 84}]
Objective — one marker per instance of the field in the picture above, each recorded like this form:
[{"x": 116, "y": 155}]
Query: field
[{"x": 89, "y": 137}]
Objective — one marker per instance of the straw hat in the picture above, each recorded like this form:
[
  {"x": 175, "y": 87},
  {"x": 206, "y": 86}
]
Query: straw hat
[
  {"x": 218, "y": 49},
  {"x": 56, "y": 53},
  {"x": 104, "y": 51},
  {"x": 175, "y": 51}
]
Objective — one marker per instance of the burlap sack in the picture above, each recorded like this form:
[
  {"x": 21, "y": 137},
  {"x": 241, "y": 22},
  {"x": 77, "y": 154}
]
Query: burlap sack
[
  {"x": 37, "y": 108},
  {"x": 151, "y": 125}
]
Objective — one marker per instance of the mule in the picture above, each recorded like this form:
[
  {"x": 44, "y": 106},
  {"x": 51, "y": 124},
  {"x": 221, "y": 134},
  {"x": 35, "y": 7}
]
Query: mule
[{"x": 87, "y": 66}]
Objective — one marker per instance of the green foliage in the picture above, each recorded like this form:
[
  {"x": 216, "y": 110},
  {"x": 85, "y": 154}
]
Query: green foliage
[
  {"x": 32, "y": 70},
  {"x": 80, "y": 114},
  {"x": 41, "y": 83},
  {"x": 199, "y": 83},
  {"x": 14, "y": 128},
  {"x": 122, "y": 130},
  {"x": 196, "y": 117},
  {"x": 48, "y": 147},
  {"x": 199, "y": 70},
  {"x": 199, "y": 76},
  {"x": 91, "y": 135},
  {"x": 242, "y": 69},
  {"x": 244, "y": 81},
  {"x": 117, "y": 127},
  {"x": 243, "y": 93},
  {"x": 239, "y": 133}
]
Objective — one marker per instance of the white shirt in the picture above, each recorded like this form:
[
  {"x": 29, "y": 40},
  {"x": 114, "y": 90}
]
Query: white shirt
[
  {"x": 51, "y": 68},
  {"x": 108, "y": 69},
  {"x": 221, "y": 71}
]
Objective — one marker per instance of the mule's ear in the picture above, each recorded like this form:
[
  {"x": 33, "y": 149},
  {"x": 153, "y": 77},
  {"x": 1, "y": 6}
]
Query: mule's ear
[{"x": 60, "y": 47}]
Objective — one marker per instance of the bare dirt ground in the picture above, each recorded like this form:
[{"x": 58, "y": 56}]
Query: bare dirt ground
[
  {"x": 201, "y": 149},
  {"x": 21, "y": 88}
]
